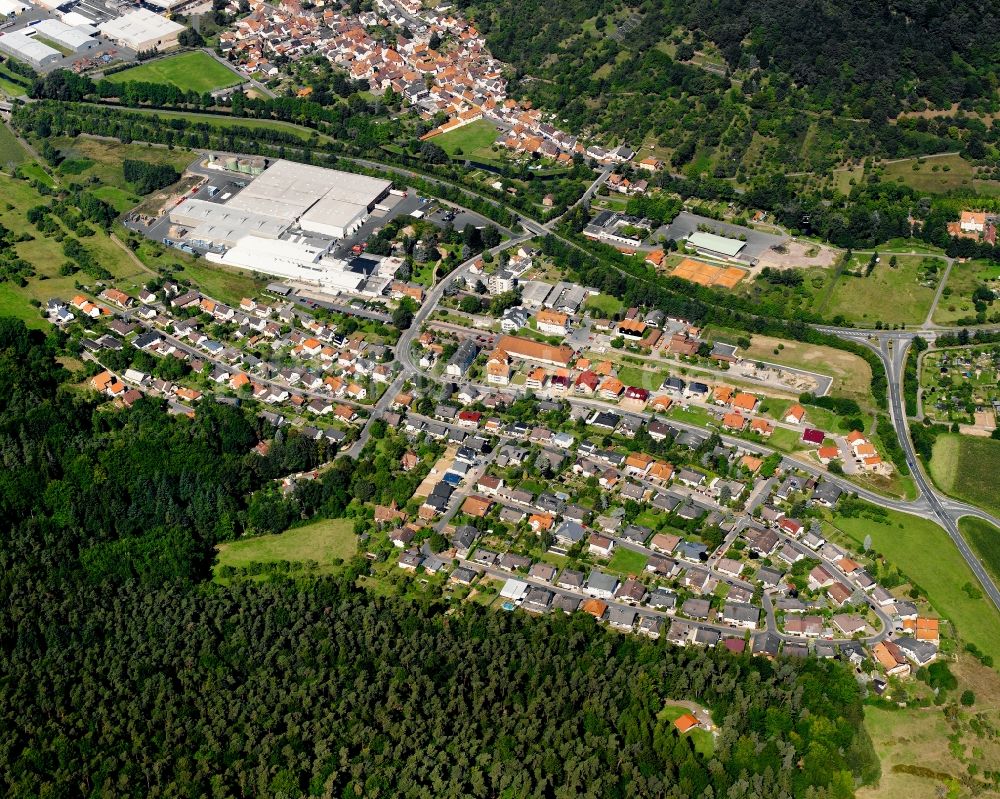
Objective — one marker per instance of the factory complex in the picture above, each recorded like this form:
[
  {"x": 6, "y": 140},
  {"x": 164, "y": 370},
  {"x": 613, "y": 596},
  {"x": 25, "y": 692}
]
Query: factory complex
[{"x": 285, "y": 222}]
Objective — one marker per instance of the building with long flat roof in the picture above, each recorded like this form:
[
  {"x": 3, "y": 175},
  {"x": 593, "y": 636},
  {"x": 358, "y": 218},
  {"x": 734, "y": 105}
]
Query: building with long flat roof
[
  {"x": 24, "y": 47},
  {"x": 76, "y": 39},
  {"x": 323, "y": 201},
  {"x": 710, "y": 244},
  {"x": 291, "y": 260},
  {"x": 218, "y": 224},
  {"x": 142, "y": 30}
]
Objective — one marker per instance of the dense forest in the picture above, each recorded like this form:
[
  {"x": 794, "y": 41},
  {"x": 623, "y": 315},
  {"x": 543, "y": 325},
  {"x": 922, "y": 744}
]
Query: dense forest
[{"x": 127, "y": 674}]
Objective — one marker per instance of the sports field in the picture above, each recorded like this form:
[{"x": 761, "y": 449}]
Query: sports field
[
  {"x": 188, "y": 71},
  {"x": 968, "y": 468},
  {"x": 324, "y": 541},
  {"x": 708, "y": 275}
]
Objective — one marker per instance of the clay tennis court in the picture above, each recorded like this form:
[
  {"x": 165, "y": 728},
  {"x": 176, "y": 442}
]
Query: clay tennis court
[{"x": 707, "y": 275}]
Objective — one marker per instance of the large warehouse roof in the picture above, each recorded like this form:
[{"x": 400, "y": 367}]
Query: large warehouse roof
[
  {"x": 223, "y": 224},
  {"x": 21, "y": 45},
  {"x": 712, "y": 243},
  {"x": 140, "y": 26},
  {"x": 66, "y": 35},
  {"x": 288, "y": 189},
  {"x": 8, "y": 7}
]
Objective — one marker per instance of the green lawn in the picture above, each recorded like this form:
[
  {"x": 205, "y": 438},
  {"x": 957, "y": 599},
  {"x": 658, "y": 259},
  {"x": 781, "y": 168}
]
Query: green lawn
[
  {"x": 968, "y": 468},
  {"x": 924, "y": 553},
  {"x": 12, "y": 153},
  {"x": 603, "y": 302},
  {"x": 642, "y": 378},
  {"x": 323, "y": 541},
  {"x": 984, "y": 539},
  {"x": 35, "y": 172},
  {"x": 473, "y": 141},
  {"x": 223, "y": 283},
  {"x": 704, "y": 743},
  {"x": 890, "y": 296},
  {"x": 195, "y": 71},
  {"x": 12, "y": 89},
  {"x": 627, "y": 561},
  {"x": 120, "y": 199}
]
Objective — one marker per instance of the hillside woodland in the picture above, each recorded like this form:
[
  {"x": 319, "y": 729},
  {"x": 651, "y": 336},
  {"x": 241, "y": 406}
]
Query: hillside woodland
[
  {"x": 787, "y": 85},
  {"x": 127, "y": 673}
]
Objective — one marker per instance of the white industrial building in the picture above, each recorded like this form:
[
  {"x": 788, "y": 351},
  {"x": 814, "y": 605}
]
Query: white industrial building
[
  {"x": 142, "y": 30},
  {"x": 76, "y": 39},
  {"x": 324, "y": 201},
  {"x": 24, "y": 47},
  {"x": 11, "y": 8},
  {"x": 214, "y": 224},
  {"x": 291, "y": 260}
]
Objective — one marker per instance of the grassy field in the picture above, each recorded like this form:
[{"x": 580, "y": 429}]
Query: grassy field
[
  {"x": 627, "y": 561},
  {"x": 924, "y": 553},
  {"x": 324, "y": 541},
  {"x": 188, "y": 71},
  {"x": 852, "y": 374},
  {"x": 968, "y": 468},
  {"x": 12, "y": 153},
  {"x": 956, "y": 299},
  {"x": 937, "y": 175},
  {"x": 864, "y": 299},
  {"x": 984, "y": 538},
  {"x": 85, "y": 157},
  {"x": 470, "y": 141},
  {"x": 926, "y": 752},
  {"x": 46, "y": 255}
]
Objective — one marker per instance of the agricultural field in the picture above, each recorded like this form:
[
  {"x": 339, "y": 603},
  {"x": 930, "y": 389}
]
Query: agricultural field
[
  {"x": 46, "y": 255},
  {"x": 984, "y": 539},
  {"x": 195, "y": 71},
  {"x": 958, "y": 304},
  {"x": 922, "y": 551},
  {"x": 937, "y": 175},
  {"x": 863, "y": 300},
  {"x": 968, "y": 468},
  {"x": 955, "y": 382},
  {"x": 472, "y": 141},
  {"x": 326, "y": 542}
]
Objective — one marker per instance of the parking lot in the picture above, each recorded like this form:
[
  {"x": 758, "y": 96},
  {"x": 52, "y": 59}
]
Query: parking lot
[{"x": 757, "y": 243}]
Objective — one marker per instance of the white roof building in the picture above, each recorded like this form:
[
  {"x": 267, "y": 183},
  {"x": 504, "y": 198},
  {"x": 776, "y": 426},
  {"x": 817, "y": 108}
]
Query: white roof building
[
  {"x": 324, "y": 201},
  {"x": 291, "y": 260},
  {"x": 215, "y": 223},
  {"x": 514, "y": 590},
  {"x": 75, "y": 39},
  {"x": 10, "y": 8},
  {"x": 142, "y": 30},
  {"x": 25, "y": 48}
]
